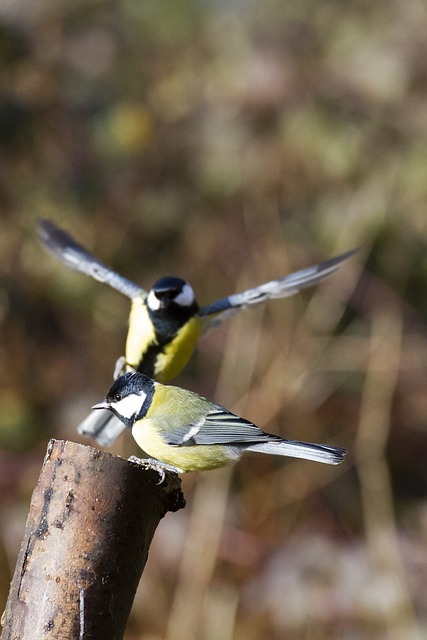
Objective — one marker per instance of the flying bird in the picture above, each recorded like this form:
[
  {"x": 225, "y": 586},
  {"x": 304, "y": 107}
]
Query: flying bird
[{"x": 166, "y": 322}]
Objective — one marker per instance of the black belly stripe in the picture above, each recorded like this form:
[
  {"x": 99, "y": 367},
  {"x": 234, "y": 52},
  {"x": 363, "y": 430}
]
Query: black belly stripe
[
  {"x": 167, "y": 324},
  {"x": 148, "y": 362}
]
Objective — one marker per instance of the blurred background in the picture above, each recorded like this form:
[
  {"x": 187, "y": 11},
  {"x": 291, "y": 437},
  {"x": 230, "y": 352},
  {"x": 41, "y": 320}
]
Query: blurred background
[{"x": 231, "y": 143}]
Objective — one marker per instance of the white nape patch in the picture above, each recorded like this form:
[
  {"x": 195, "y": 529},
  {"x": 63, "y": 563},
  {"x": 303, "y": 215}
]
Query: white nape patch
[
  {"x": 130, "y": 406},
  {"x": 186, "y": 297},
  {"x": 192, "y": 431},
  {"x": 153, "y": 302}
]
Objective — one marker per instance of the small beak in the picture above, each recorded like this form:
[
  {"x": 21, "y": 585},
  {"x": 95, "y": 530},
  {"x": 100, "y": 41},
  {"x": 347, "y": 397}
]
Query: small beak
[{"x": 101, "y": 405}]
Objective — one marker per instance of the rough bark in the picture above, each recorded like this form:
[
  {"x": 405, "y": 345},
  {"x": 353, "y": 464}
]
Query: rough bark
[{"x": 91, "y": 521}]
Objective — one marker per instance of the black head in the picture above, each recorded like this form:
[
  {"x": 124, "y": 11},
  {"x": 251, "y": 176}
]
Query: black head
[
  {"x": 129, "y": 397},
  {"x": 171, "y": 292},
  {"x": 128, "y": 384}
]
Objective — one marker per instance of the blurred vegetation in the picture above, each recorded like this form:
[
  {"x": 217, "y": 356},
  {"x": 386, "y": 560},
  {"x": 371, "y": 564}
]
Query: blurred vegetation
[{"x": 230, "y": 143}]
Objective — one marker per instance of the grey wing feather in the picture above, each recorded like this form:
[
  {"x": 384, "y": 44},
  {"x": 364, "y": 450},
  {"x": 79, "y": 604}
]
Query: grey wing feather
[
  {"x": 77, "y": 258},
  {"x": 280, "y": 288},
  {"x": 218, "y": 427},
  {"x": 102, "y": 426}
]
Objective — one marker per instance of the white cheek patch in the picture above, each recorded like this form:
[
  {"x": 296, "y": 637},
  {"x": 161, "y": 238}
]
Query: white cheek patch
[
  {"x": 130, "y": 406},
  {"x": 186, "y": 297},
  {"x": 153, "y": 302}
]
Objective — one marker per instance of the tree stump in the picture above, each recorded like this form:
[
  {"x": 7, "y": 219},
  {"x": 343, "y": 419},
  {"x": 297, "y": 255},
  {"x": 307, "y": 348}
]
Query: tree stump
[{"x": 91, "y": 521}]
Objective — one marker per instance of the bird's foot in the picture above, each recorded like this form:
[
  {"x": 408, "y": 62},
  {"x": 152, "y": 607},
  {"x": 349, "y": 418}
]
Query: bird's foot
[{"x": 157, "y": 465}]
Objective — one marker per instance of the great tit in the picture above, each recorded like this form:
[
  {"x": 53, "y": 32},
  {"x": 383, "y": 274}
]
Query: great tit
[
  {"x": 190, "y": 433},
  {"x": 166, "y": 323}
]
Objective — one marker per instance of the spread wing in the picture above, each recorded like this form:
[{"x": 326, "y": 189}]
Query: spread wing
[
  {"x": 280, "y": 288},
  {"x": 75, "y": 257},
  {"x": 103, "y": 426},
  {"x": 217, "y": 427}
]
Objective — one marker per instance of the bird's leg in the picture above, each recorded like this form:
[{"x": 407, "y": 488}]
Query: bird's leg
[{"x": 157, "y": 465}]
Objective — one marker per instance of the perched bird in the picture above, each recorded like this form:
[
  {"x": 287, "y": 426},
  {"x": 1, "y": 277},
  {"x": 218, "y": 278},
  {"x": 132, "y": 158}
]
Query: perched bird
[
  {"x": 166, "y": 323},
  {"x": 190, "y": 433}
]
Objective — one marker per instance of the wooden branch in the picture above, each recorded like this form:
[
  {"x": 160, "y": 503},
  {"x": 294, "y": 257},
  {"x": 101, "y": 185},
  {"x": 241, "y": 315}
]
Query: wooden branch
[{"x": 91, "y": 521}]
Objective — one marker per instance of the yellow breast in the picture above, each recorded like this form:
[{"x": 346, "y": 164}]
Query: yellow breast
[
  {"x": 175, "y": 356},
  {"x": 140, "y": 334},
  {"x": 142, "y": 347},
  {"x": 195, "y": 458}
]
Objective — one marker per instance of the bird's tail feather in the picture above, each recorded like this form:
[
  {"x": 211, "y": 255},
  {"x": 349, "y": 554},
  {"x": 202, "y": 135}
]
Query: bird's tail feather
[
  {"x": 103, "y": 426},
  {"x": 306, "y": 450}
]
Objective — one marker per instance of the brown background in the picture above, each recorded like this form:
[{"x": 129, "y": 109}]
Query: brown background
[{"x": 230, "y": 143}]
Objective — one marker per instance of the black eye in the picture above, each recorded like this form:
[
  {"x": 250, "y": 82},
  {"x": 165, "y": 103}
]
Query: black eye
[{"x": 117, "y": 397}]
